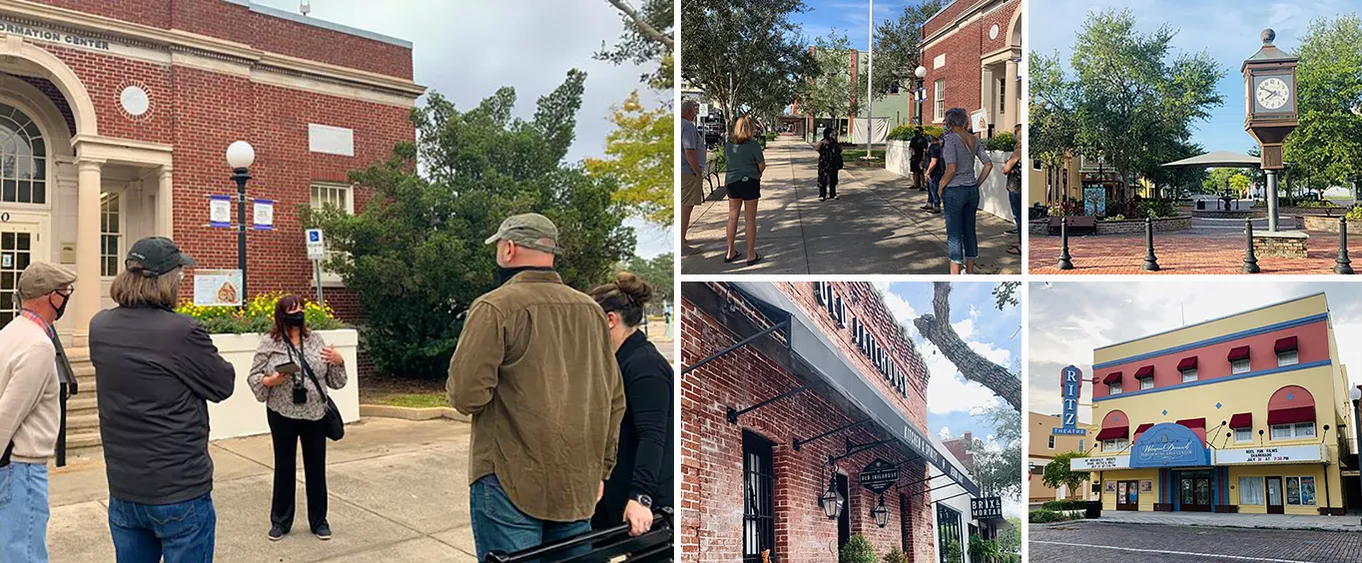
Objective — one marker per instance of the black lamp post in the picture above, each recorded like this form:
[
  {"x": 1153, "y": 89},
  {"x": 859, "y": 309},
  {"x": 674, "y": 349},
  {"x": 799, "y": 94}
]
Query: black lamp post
[
  {"x": 921, "y": 73},
  {"x": 240, "y": 157},
  {"x": 880, "y": 513}
]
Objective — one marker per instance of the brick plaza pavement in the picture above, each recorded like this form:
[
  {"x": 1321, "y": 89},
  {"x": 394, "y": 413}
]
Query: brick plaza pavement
[
  {"x": 1190, "y": 252},
  {"x": 1086, "y": 541}
]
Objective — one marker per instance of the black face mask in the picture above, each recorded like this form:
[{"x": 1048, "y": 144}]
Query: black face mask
[
  {"x": 60, "y": 310},
  {"x": 295, "y": 319},
  {"x": 505, "y": 274}
]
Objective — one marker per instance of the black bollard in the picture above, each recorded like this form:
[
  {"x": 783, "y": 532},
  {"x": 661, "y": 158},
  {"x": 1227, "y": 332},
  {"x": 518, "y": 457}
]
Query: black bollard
[
  {"x": 1344, "y": 265},
  {"x": 1250, "y": 261},
  {"x": 1151, "y": 263},
  {"x": 1065, "y": 262}
]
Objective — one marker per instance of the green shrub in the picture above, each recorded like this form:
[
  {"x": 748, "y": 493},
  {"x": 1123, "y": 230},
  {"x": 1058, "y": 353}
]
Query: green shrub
[
  {"x": 857, "y": 550},
  {"x": 1005, "y": 142},
  {"x": 257, "y": 316},
  {"x": 1117, "y": 217},
  {"x": 1044, "y": 516},
  {"x": 1157, "y": 208},
  {"x": 983, "y": 551},
  {"x": 953, "y": 552},
  {"x": 1066, "y": 504},
  {"x": 1355, "y": 214},
  {"x": 1314, "y": 203},
  {"x": 895, "y": 556},
  {"x": 905, "y": 132}
]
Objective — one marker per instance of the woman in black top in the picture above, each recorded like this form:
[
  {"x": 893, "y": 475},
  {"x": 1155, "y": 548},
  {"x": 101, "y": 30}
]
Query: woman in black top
[
  {"x": 642, "y": 479},
  {"x": 829, "y": 162}
]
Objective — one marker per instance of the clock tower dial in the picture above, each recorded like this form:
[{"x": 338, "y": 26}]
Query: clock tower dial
[{"x": 1273, "y": 93}]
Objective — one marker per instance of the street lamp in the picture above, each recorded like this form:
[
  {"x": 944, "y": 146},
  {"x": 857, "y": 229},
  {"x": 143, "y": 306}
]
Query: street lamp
[
  {"x": 921, "y": 92},
  {"x": 881, "y": 514},
  {"x": 240, "y": 157},
  {"x": 831, "y": 500}
]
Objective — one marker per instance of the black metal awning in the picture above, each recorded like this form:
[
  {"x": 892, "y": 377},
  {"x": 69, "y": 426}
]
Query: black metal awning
[{"x": 813, "y": 354}]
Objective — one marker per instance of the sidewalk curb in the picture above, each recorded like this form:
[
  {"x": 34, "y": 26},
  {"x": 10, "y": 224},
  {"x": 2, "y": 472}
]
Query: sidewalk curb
[
  {"x": 1212, "y": 525},
  {"x": 408, "y": 413}
]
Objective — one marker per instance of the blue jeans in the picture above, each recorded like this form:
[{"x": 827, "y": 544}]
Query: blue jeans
[
  {"x": 1014, "y": 198},
  {"x": 933, "y": 199},
  {"x": 23, "y": 512},
  {"x": 499, "y": 526},
  {"x": 961, "y": 202},
  {"x": 182, "y": 532}
]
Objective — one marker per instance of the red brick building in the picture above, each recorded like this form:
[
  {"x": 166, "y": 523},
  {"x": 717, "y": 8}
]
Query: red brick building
[
  {"x": 116, "y": 114},
  {"x": 789, "y": 392},
  {"x": 971, "y": 50}
]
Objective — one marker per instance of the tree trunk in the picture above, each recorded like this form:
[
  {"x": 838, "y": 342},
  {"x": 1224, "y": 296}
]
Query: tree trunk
[{"x": 937, "y": 329}]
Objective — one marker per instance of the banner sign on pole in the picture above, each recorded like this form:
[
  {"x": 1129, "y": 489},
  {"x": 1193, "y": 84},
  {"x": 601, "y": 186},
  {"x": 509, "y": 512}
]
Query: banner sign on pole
[
  {"x": 220, "y": 211},
  {"x": 217, "y": 288},
  {"x": 1071, "y": 387},
  {"x": 263, "y": 219},
  {"x": 316, "y": 247}
]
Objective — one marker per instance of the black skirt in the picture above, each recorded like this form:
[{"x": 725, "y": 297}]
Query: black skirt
[{"x": 745, "y": 189}]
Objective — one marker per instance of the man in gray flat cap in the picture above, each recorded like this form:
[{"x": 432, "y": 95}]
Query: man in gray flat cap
[
  {"x": 535, "y": 368},
  {"x": 30, "y": 410}
]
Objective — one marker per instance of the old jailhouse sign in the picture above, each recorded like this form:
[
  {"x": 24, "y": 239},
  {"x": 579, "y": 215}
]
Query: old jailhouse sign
[{"x": 879, "y": 476}]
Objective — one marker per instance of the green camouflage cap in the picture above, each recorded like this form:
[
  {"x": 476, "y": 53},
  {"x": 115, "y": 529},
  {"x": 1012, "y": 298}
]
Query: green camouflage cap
[{"x": 527, "y": 230}]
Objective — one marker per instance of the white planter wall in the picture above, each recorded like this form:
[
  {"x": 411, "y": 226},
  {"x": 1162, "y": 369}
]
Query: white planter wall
[
  {"x": 242, "y": 415},
  {"x": 992, "y": 191}
]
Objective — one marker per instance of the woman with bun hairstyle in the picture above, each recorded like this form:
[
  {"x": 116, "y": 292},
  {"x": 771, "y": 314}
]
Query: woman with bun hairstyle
[{"x": 642, "y": 479}]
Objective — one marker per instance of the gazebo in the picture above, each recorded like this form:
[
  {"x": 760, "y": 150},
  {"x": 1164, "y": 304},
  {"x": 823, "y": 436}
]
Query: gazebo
[{"x": 1217, "y": 159}]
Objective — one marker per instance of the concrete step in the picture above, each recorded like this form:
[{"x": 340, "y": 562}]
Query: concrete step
[
  {"x": 82, "y": 440},
  {"x": 82, "y": 421},
  {"x": 81, "y": 403},
  {"x": 82, "y": 411}
]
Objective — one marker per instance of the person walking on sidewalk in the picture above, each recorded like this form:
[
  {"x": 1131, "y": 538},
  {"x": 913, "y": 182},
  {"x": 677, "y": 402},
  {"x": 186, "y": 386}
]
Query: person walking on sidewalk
[
  {"x": 693, "y": 156},
  {"x": 935, "y": 170},
  {"x": 829, "y": 162},
  {"x": 155, "y": 371},
  {"x": 959, "y": 189},
  {"x": 535, "y": 369},
  {"x": 643, "y": 479},
  {"x": 746, "y": 163},
  {"x": 30, "y": 410},
  {"x": 284, "y": 376},
  {"x": 917, "y": 149},
  {"x": 1013, "y": 170}
]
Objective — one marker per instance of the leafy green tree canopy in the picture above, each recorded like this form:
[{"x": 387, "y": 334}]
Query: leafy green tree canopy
[
  {"x": 997, "y": 469},
  {"x": 1057, "y": 472},
  {"x": 649, "y": 36},
  {"x": 415, "y": 254},
  {"x": 1328, "y": 141}
]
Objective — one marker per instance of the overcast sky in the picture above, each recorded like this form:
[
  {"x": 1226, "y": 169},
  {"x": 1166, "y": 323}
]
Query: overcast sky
[
  {"x": 1068, "y": 320},
  {"x": 467, "y": 50},
  {"x": 1228, "y": 30}
]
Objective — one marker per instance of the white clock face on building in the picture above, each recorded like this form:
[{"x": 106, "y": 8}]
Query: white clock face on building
[{"x": 1273, "y": 93}]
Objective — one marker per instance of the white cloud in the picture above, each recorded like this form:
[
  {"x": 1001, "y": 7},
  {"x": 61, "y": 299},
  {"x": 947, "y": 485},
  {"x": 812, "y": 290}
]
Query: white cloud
[
  {"x": 964, "y": 328},
  {"x": 948, "y": 391},
  {"x": 899, "y": 307},
  {"x": 945, "y": 433}
]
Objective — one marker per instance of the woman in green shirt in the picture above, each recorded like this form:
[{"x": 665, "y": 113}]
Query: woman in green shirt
[{"x": 745, "y": 163}]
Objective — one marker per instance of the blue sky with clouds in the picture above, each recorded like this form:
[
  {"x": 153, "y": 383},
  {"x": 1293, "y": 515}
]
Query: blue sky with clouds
[
  {"x": 1226, "y": 29},
  {"x": 848, "y": 16}
]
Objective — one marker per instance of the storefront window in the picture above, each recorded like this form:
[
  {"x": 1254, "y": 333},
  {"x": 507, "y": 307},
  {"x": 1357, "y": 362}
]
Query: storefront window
[
  {"x": 1288, "y": 358},
  {"x": 1239, "y": 366},
  {"x": 758, "y": 504},
  {"x": 1307, "y": 490},
  {"x": 1293, "y": 490},
  {"x": 1251, "y": 490},
  {"x": 948, "y": 533},
  {"x": 1189, "y": 375}
]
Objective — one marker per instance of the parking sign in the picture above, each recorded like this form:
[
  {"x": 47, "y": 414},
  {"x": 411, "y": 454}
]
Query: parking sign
[{"x": 316, "y": 250}]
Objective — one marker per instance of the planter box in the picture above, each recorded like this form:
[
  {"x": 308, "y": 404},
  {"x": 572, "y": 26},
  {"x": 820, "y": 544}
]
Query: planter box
[
  {"x": 1231, "y": 214},
  {"x": 992, "y": 191},
  {"x": 1161, "y": 225},
  {"x": 1281, "y": 244},
  {"x": 242, "y": 415},
  {"x": 1328, "y": 224}
]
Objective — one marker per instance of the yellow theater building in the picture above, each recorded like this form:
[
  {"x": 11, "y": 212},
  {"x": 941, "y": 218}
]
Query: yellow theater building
[{"x": 1237, "y": 414}]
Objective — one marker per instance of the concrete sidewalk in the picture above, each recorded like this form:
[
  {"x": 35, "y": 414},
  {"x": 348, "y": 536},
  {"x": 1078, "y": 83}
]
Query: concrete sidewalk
[
  {"x": 875, "y": 227},
  {"x": 1234, "y": 520},
  {"x": 398, "y": 492}
]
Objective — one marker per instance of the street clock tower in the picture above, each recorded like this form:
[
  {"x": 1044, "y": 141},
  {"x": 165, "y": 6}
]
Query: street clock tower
[{"x": 1270, "y": 109}]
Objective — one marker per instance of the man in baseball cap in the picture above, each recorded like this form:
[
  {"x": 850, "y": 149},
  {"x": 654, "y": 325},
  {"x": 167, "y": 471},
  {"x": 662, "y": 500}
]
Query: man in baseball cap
[
  {"x": 529, "y": 347},
  {"x": 30, "y": 410},
  {"x": 153, "y": 256}
]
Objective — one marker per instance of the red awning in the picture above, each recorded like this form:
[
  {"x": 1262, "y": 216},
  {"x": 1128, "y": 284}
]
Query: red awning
[
  {"x": 1285, "y": 344},
  {"x": 1291, "y": 415},
  {"x": 1112, "y": 377},
  {"x": 1114, "y": 433},
  {"x": 1146, "y": 371},
  {"x": 1240, "y": 353},
  {"x": 1144, "y": 427},
  {"x": 1187, "y": 363},
  {"x": 1193, "y": 422},
  {"x": 1242, "y": 420}
]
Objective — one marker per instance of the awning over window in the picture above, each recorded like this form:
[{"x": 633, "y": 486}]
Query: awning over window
[
  {"x": 1242, "y": 420},
  {"x": 1291, "y": 415},
  {"x": 1114, "y": 433},
  {"x": 1193, "y": 422},
  {"x": 1143, "y": 427},
  {"x": 1240, "y": 353},
  {"x": 813, "y": 353},
  {"x": 1144, "y": 372},
  {"x": 1285, "y": 344},
  {"x": 1187, "y": 363},
  {"x": 1112, "y": 377}
]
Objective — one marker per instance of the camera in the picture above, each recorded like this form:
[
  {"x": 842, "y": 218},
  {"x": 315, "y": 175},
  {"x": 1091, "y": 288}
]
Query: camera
[{"x": 299, "y": 391}]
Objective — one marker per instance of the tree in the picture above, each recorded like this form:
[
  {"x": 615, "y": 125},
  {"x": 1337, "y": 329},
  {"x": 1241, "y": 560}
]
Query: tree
[
  {"x": 1058, "y": 475},
  {"x": 648, "y": 36},
  {"x": 896, "y": 48},
  {"x": 658, "y": 271},
  {"x": 1053, "y": 126},
  {"x": 1328, "y": 141},
  {"x": 828, "y": 91},
  {"x": 996, "y": 466},
  {"x": 732, "y": 48},
  {"x": 1010, "y": 541},
  {"x": 640, "y": 160},
  {"x": 415, "y": 254},
  {"x": 936, "y": 327},
  {"x": 1005, "y": 294}
]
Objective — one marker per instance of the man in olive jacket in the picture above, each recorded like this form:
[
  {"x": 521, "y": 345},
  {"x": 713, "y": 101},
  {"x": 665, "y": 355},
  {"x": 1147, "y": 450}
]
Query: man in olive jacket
[{"x": 535, "y": 368}]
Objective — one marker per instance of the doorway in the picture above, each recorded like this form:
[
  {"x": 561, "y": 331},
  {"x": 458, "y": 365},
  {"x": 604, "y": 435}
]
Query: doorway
[
  {"x": 16, "y": 252},
  {"x": 843, "y": 519},
  {"x": 1274, "y": 496},
  {"x": 1194, "y": 492},
  {"x": 1128, "y": 495}
]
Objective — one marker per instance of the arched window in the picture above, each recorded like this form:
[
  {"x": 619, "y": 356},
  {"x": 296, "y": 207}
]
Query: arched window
[{"x": 23, "y": 158}]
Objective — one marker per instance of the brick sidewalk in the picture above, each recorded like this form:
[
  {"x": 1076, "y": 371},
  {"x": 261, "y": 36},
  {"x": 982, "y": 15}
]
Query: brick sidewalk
[{"x": 1181, "y": 253}]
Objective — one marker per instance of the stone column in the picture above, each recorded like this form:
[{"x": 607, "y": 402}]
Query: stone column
[
  {"x": 1013, "y": 96},
  {"x": 165, "y": 204},
  {"x": 88, "y": 287},
  {"x": 988, "y": 93}
]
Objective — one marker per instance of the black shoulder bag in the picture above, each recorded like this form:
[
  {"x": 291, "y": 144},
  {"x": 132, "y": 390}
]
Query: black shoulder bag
[{"x": 335, "y": 426}]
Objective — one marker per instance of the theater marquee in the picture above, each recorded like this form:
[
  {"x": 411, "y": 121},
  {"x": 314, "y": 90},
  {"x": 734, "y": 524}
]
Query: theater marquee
[{"x": 1316, "y": 453}]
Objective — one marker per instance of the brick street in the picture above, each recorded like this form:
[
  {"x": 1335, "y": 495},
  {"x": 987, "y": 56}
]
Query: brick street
[
  {"x": 1189, "y": 252},
  {"x": 1084, "y": 542}
]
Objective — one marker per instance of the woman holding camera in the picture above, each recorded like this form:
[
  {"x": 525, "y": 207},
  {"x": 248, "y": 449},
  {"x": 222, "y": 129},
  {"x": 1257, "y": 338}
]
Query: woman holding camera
[{"x": 290, "y": 364}]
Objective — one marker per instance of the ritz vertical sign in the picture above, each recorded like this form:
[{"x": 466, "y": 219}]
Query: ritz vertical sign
[{"x": 1071, "y": 387}]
